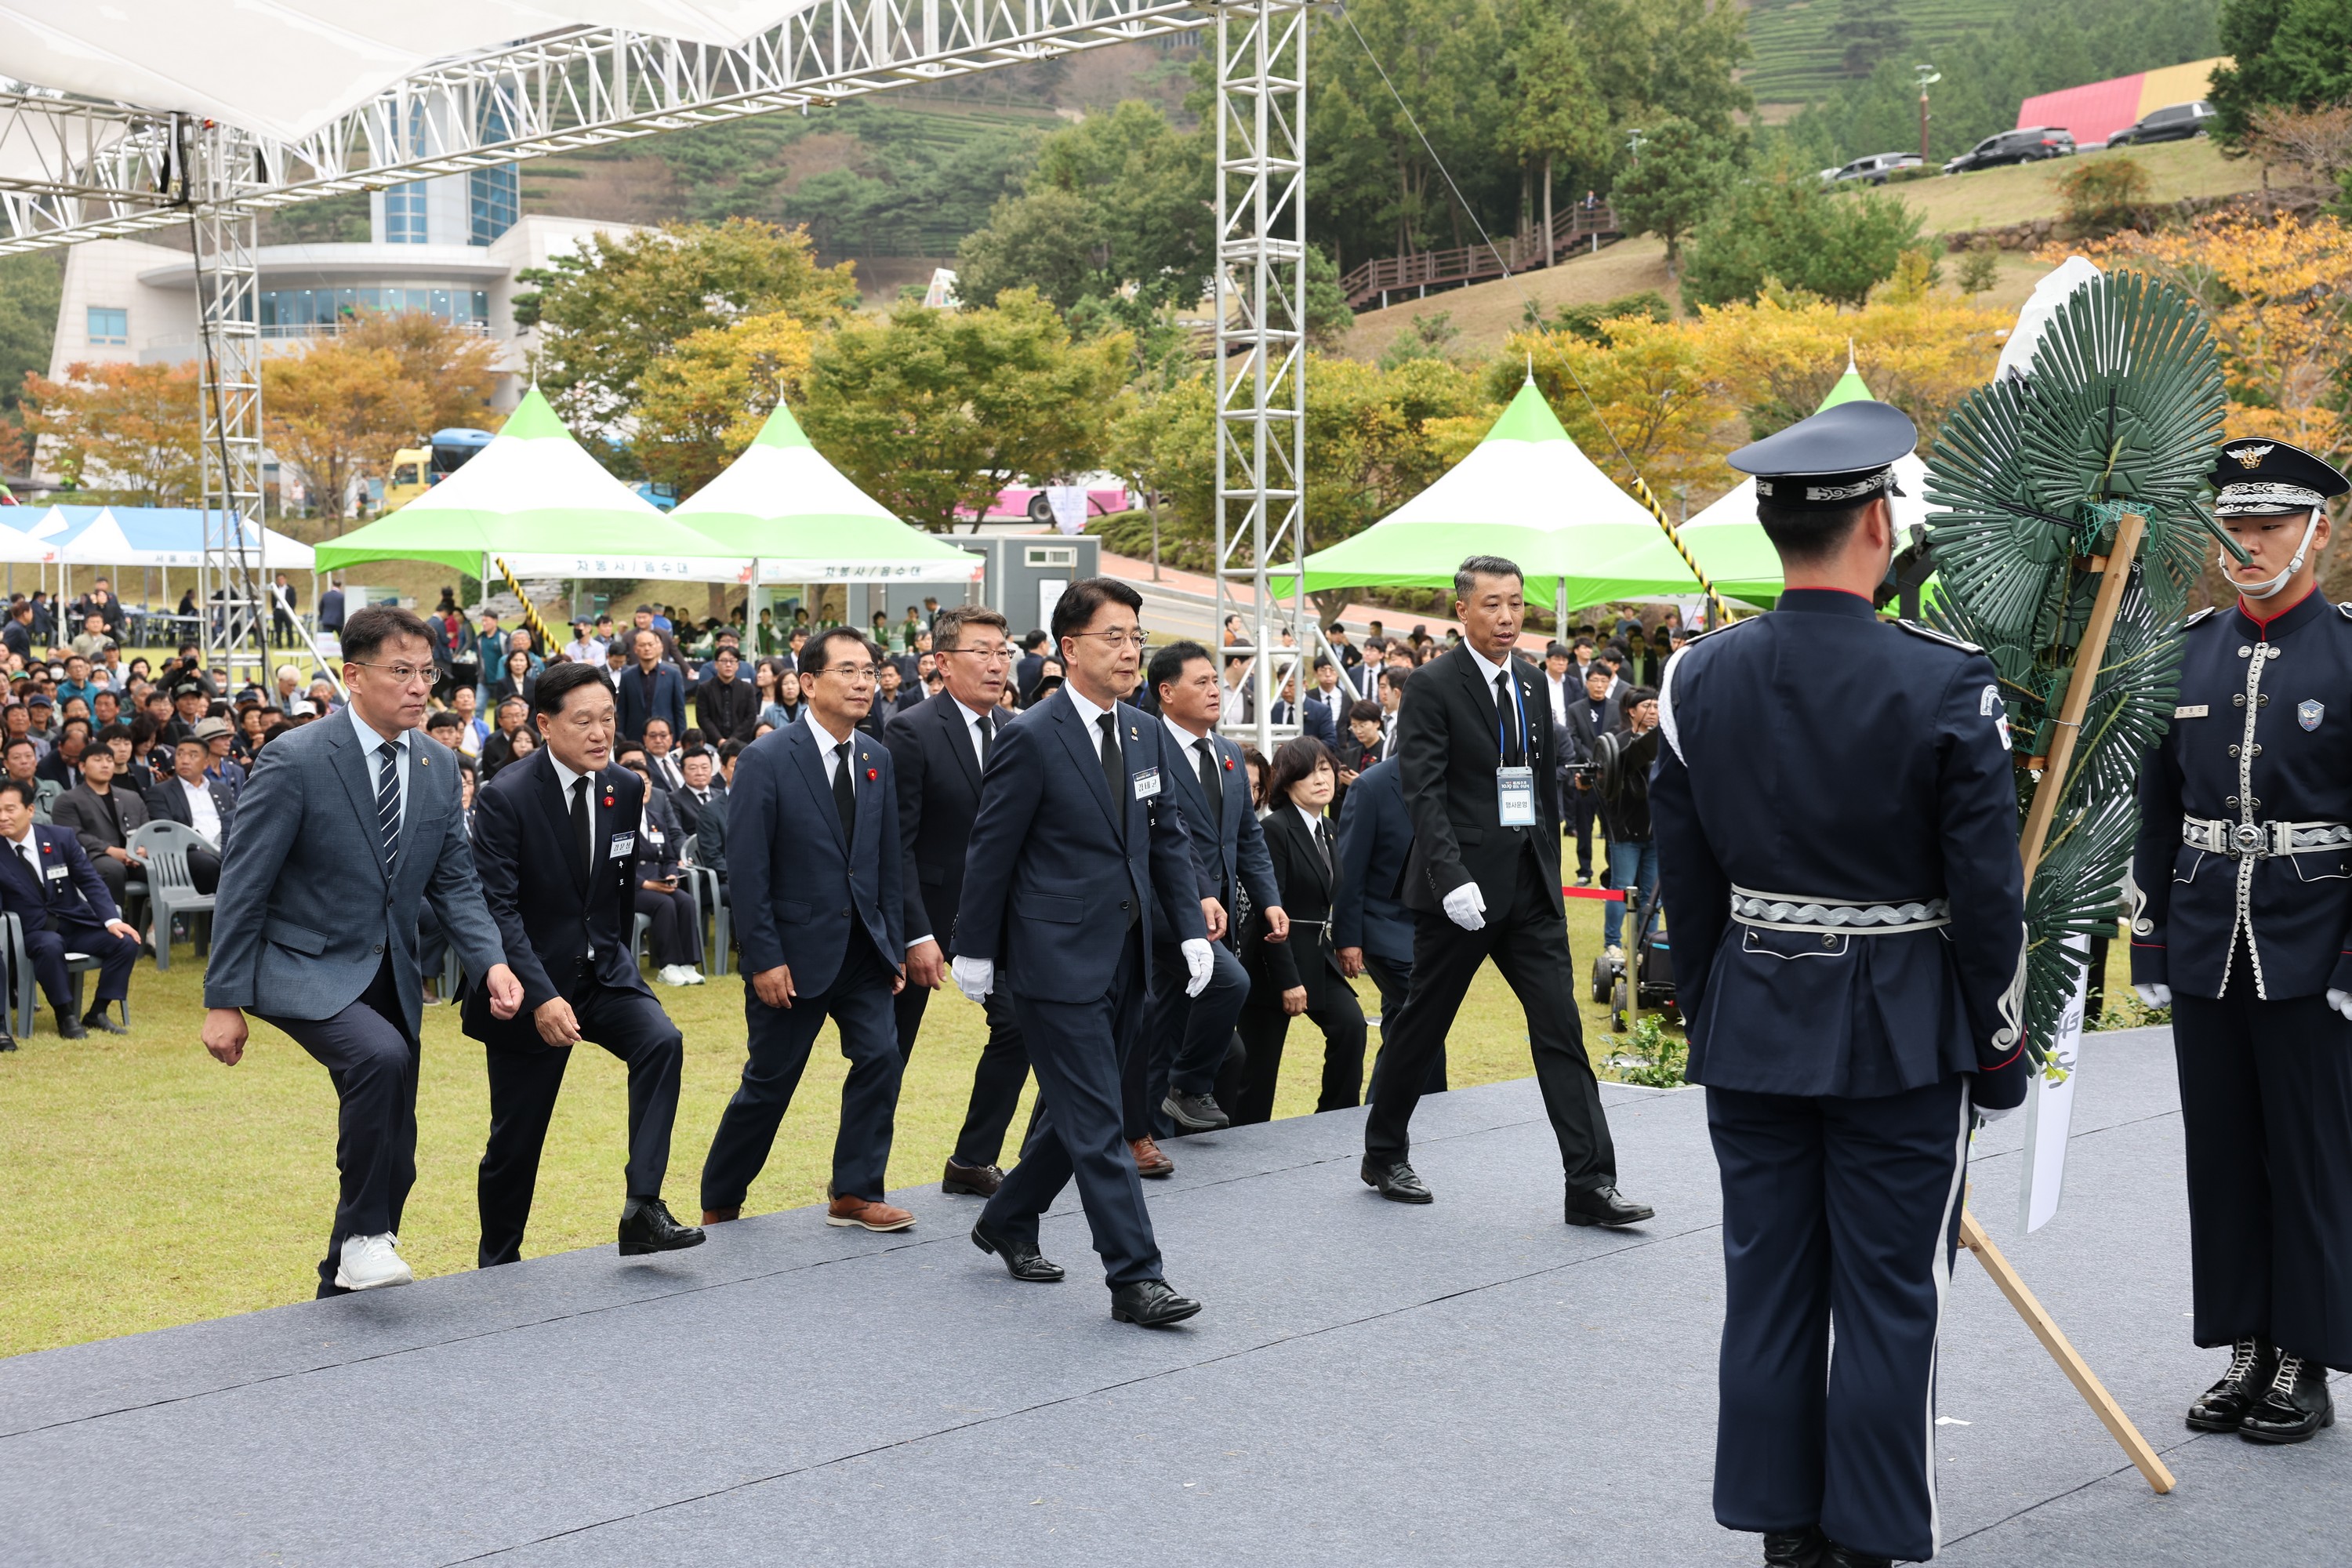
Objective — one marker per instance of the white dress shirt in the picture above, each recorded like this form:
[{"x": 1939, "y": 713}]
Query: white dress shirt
[
  {"x": 971, "y": 718},
  {"x": 1090, "y": 715},
  {"x": 371, "y": 744},
  {"x": 825, "y": 742},
  {"x": 565, "y": 777},
  {"x": 202, "y": 815}
]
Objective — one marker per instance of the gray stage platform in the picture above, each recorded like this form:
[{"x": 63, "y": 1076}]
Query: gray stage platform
[{"x": 1473, "y": 1382}]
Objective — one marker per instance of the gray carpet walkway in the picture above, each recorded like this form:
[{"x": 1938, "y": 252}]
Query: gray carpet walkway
[{"x": 1473, "y": 1382}]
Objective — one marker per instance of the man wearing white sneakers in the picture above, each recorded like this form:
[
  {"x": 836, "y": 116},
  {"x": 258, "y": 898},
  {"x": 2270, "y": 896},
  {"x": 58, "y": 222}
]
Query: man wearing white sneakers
[{"x": 337, "y": 815}]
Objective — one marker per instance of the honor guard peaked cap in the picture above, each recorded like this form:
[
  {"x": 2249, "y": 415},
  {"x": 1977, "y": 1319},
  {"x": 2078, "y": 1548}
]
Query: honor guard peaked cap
[
  {"x": 1833, "y": 461},
  {"x": 2270, "y": 479}
]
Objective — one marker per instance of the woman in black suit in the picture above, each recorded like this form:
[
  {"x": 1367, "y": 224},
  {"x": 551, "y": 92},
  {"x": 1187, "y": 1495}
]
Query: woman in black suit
[
  {"x": 1302, "y": 975},
  {"x": 520, "y": 679}
]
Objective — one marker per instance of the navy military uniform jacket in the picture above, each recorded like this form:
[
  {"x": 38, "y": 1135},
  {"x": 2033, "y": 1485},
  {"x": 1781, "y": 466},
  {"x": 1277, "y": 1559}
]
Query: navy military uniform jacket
[
  {"x": 1822, "y": 766},
  {"x": 2261, "y": 751}
]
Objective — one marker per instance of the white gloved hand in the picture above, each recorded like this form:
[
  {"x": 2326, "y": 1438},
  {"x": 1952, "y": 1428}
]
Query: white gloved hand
[
  {"x": 2341, "y": 1001},
  {"x": 1991, "y": 1116},
  {"x": 1198, "y": 963},
  {"x": 976, "y": 977},
  {"x": 2160, "y": 995},
  {"x": 1466, "y": 906}
]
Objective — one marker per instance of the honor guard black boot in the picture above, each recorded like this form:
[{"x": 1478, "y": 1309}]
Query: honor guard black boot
[
  {"x": 2295, "y": 1406},
  {"x": 2220, "y": 1408}
]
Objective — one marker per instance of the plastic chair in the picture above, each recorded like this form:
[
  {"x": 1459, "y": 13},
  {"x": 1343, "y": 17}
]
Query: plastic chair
[
  {"x": 169, "y": 889},
  {"x": 25, "y": 996},
  {"x": 639, "y": 925},
  {"x": 710, "y": 906}
]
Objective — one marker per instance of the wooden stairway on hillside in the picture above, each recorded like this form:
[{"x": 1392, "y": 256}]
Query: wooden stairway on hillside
[{"x": 1376, "y": 284}]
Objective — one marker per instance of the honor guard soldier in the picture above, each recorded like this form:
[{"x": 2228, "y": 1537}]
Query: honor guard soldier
[
  {"x": 1836, "y": 821},
  {"x": 2243, "y": 923}
]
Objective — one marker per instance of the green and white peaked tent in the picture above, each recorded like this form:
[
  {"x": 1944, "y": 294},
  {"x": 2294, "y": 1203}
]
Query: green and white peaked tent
[
  {"x": 1729, "y": 543},
  {"x": 534, "y": 499},
  {"x": 801, "y": 520},
  {"x": 1528, "y": 494}
]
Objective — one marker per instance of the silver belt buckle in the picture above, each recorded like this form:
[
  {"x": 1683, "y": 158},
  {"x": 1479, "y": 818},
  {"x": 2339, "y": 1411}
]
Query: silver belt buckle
[{"x": 2249, "y": 837}]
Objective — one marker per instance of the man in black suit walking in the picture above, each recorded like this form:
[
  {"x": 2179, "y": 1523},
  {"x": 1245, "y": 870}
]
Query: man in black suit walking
[
  {"x": 1072, "y": 869},
  {"x": 1479, "y": 759},
  {"x": 813, "y": 852},
  {"x": 941, "y": 747},
  {"x": 556, "y": 843}
]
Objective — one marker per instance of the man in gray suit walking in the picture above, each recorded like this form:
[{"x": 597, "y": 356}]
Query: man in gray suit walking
[{"x": 338, "y": 813}]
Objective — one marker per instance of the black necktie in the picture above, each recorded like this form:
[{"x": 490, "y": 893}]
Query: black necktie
[
  {"x": 1113, "y": 774},
  {"x": 1209, "y": 790},
  {"x": 1323, "y": 842},
  {"x": 987, "y": 732},
  {"x": 1511, "y": 757},
  {"x": 387, "y": 805},
  {"x": 845, "y": 794},
  {"x": 580, "y": 829}
]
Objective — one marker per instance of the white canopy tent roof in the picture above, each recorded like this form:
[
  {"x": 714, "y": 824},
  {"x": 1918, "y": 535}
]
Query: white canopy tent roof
[
  {"x": 164, "y": 536},
  {"x": 284, "y": 68}
]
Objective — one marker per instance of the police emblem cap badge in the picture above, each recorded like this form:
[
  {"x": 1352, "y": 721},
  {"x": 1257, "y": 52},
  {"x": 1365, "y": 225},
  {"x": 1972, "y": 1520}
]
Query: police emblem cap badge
[{"x": 2309, "y": 713}]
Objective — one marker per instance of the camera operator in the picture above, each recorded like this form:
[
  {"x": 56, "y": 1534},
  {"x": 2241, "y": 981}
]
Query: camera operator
[
  {"x": 1626, "y": 756},
  {"x": 1590, "y": 715}
]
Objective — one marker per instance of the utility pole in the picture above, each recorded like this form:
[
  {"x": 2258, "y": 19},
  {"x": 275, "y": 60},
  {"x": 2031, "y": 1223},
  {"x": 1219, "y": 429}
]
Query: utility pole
[{"x": 1928, "y": 77}]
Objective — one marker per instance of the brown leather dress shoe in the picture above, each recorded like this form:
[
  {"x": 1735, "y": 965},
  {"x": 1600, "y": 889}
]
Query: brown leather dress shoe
[
  {"x": 1149, "y": 1161},
  {"x": 866, "y": 1214},
  {"x": 721, "y": 1216},
  {"x": 971, "y": 1180}
]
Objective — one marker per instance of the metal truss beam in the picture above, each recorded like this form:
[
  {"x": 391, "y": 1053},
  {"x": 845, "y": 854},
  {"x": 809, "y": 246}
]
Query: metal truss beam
[
  {"x": 71, "y": 169},
  {"x": 1261, "y": 351}
]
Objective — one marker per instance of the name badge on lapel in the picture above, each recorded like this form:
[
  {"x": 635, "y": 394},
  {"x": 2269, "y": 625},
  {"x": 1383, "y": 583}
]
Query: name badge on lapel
[
  {"x": 622, "y": 844},
  {"x": 1147, "y": 783},
  {"x": 54, "y": 873}
]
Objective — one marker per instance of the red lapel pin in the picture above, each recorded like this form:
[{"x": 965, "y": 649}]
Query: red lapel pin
[
  {"x": 1229, "y": 764},
  {"x": 872, "y": 773}
]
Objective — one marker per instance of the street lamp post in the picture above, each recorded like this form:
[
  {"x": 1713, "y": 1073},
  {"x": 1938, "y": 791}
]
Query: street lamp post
[{"x": 1928, "y": 77}]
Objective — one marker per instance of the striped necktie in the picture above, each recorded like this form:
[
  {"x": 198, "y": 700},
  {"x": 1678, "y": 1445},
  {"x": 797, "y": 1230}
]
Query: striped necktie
[{"x": 387, "y": 805}]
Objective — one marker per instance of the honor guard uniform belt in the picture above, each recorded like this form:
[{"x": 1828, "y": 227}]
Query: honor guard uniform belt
[
  {"x": 1788, "y": 911},
  {"x": 2260, "y": 840}
]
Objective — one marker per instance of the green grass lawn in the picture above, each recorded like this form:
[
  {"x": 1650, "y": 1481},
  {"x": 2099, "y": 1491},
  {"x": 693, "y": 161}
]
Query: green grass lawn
[{"x": 154, "y": 1186}]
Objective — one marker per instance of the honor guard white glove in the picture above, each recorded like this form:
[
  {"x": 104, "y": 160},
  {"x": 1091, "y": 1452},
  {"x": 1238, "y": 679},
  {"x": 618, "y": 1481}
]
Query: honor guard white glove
[
  {"x": 2160, "y": 995},
  {"x": 976, "y": 977},
  {"x": 1466, "y": 906},
  {"x": 1198, "y": 963},
  {"x": 1991, "y": 1116},
  {"x": 2341, "y": 1001}
]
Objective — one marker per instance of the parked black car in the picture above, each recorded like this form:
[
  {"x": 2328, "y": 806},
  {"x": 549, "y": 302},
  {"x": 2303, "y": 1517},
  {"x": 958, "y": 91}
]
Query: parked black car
[
  {"x": 2029, "y": 145},
  {"x": 2177, "y": 123}
]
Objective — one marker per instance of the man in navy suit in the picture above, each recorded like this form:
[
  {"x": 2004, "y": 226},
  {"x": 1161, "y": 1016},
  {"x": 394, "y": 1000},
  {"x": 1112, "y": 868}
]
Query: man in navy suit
[
  {"x": 1186, "y": 1037},
  {"x": 48, "y": 882},
  {"x": 939, "y": 748},
  {"x": 812, "y": 850},
  {"x": 557, "y": 840},
  {"x": 1370, "y": 928},
  {"x": 1073, "y": 869},
  {"x": 1320, "y": 713},
  {"x": 650, "y": 688}
]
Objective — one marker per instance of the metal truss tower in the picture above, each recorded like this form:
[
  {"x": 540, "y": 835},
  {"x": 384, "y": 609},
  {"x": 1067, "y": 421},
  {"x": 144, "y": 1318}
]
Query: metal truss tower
[
  {"x": 1261, "y": 351},
  {"x": 231, "y": 571}
]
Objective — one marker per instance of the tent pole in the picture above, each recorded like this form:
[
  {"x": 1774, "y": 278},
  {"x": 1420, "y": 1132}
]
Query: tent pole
[{"x": 1559, "y": 611}]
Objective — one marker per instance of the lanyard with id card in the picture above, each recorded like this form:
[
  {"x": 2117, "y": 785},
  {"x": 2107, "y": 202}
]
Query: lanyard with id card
[{"x": 1515, "y": 787}]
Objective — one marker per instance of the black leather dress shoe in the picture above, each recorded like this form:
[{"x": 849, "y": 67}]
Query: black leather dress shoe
[
  {"x": 68, "y": 1027},
  {"x": 2220, "y": 1408},
  {"x": 1150, "y": 1305},
  {"x": 1838, "y": 1556},
  {"x": 1394, "y": 1180},
  {"x": 647, "y": 1226},
  {"x": 2294, "y": 1405},
  {"x": 1795, "y": 1548},
  {"x": 7, "y": 1040},
  {"x": 1602, "y": 1206},
  {"x": 1022, "y": 1258},
  {"x": 1195, "y": 1112},
  {"x": 963, "y": 1181},
  {"x": 99, "y": 1018}
]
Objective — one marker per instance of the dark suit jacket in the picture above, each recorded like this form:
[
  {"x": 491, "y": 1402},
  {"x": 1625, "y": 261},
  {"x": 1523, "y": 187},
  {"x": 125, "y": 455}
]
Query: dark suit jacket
[
  {"x": 938, "y": 794},
  {"x": 80, "y": 809},
  {"x": 1446, "y": 741},
  {"x": 1227, "y": 845},
  {"x": 798, "y": 886},
  {"x": 665, "y": 839},
  {"x": 1058, "y": 869},
  {"x": 166, "y": 802},
  {"x": 1321, "y": 719},
  {"x": 669, "y": 702},
  {"x": 552, "y": 912},
  {"x": 1308, "y": 958},
  {"x": 77, "y": 895},
  {"x": 692, "y": 812},
  {"x": 729, "y": 710},
  {"x": 1375, "y": 835}
]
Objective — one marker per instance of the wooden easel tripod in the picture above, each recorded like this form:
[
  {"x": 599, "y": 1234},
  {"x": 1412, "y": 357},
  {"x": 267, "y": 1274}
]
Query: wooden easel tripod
[{"x": 2115, "y": 575}]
